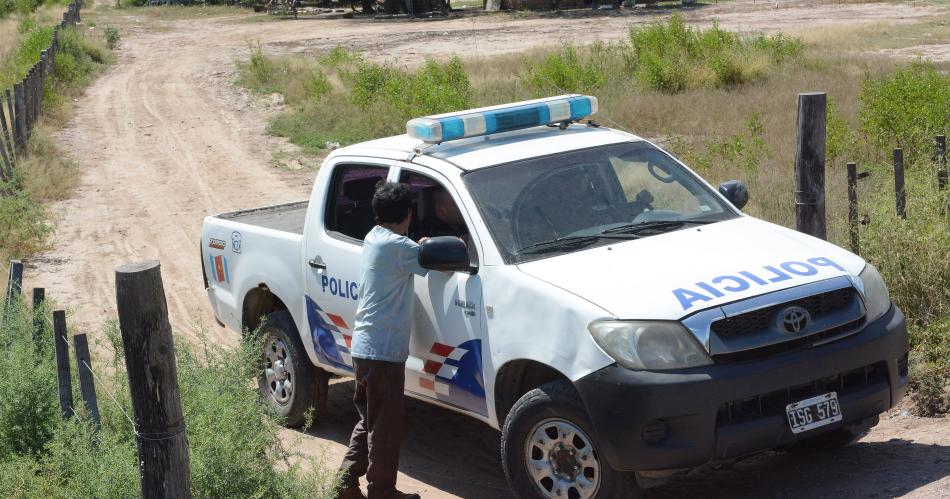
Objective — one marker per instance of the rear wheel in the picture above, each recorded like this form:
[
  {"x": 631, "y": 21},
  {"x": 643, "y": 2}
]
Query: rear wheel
[
  {"x": 548, "y": 451},
  {"x": 289, "y": 381}
]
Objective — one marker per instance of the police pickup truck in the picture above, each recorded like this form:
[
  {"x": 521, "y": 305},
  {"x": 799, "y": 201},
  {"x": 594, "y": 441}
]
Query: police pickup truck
[{"x": 612, "y": 314}]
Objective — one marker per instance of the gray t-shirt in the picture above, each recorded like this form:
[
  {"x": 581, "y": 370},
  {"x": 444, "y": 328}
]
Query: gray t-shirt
[{"x": 384, "y": 312}]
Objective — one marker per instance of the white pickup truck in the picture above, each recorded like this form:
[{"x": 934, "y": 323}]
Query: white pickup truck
[{"x": 614, "y": 315}]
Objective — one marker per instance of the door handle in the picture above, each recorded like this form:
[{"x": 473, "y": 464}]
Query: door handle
[{"x": 317, "y": 263}]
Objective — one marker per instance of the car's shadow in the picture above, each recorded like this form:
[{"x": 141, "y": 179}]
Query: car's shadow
[{"x": 458, "y": 455}]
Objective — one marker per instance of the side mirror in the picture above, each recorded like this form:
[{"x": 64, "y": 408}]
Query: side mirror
[
  {"x": 735, "y": 191},
  {"x": 446, "y": 254}
]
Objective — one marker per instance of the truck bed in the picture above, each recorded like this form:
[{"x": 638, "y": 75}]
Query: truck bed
[{"x": 283, "y": 217}]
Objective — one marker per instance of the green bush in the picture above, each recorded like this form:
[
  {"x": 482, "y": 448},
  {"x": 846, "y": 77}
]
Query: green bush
[
  {"x": 906, "y": 109},
  {"x": 234, "y": 443},
  {"x": 672, "y": 57},
  {"x": 112, "y": 37},
  {"x": 930, "y": 367},
  {"x": 564, "y": 71},
  {"x": 433, "y": 89}
]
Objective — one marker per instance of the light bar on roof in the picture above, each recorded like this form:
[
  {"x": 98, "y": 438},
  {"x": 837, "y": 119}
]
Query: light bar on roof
[{"x": 514, "y": 116}]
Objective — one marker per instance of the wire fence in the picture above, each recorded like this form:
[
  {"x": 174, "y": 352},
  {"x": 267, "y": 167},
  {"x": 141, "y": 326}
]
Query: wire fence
[{"x": 20, "y": 106}]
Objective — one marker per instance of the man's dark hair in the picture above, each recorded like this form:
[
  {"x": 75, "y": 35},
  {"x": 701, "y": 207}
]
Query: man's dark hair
[{"x": 391, "y": 202}]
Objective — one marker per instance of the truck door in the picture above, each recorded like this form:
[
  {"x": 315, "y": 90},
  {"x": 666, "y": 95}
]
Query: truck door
[
  {"x": 448, "y": 343},
  {"x": 333, "y": 247}
]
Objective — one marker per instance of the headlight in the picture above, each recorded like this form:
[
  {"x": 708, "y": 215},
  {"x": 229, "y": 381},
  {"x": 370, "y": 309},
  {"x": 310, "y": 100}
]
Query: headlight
[
  {"x": 654, "y": 345},
  {"x": 872, "y": 288}
]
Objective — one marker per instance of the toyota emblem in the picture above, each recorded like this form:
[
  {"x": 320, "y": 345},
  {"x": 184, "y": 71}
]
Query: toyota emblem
[{"x": 793, "y": 320}]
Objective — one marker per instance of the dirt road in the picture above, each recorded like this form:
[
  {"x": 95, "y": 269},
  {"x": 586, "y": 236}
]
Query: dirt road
[{"x": 164, "y": 138}]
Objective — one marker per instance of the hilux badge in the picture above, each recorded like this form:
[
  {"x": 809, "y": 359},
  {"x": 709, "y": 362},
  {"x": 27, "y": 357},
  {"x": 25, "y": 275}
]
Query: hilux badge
[{"x": 793, "y": 320}]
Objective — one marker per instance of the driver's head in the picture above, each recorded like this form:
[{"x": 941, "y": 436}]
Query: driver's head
[{"x": 446, "y": 209}]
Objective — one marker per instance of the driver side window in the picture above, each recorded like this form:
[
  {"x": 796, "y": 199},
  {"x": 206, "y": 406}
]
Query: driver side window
[{"x": 434, "y": 211}]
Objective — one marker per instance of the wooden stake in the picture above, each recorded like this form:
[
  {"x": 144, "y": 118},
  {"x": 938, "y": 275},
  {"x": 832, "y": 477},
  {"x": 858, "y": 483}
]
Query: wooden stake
[
  {"x": 901, "y": 196},
  {"x": 60, "y": 337},
  {"x": 810, "y": 165},
  {"x": 153, "y": 381},
  {"x": 87, "y": 385}
]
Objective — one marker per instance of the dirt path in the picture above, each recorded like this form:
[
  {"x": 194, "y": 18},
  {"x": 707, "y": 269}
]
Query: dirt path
[{"x": 163, "y": 139}]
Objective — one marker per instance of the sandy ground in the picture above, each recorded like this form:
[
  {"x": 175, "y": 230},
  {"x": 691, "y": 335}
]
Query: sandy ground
[{"x": 164, "y": 139}]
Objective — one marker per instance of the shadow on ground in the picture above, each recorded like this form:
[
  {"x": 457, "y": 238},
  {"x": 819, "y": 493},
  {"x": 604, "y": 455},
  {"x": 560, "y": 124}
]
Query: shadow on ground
[{"x": 460, "y": 456}]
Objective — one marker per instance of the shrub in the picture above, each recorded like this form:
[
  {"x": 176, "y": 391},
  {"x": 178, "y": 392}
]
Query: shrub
[
  {"x": 672, "y": 57},
  {"x": 435, "y": 88},
  {"x": 22, "y": 223},
  {"x": 112, "y": 37},
  {"x": 234, "y": 443},
  {"x": 930, "y": 367},
  {"x": 906, "y": 109},
  {"x": 564, "y": 71}
]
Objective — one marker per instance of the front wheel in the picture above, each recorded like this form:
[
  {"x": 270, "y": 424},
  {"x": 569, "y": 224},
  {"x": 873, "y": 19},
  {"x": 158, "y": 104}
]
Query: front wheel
[{"x": 548, "y": 452}]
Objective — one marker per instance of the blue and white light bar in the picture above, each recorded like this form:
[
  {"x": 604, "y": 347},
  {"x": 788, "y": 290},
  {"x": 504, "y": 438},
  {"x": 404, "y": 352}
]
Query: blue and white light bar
[{"x": 504, "y": 118}]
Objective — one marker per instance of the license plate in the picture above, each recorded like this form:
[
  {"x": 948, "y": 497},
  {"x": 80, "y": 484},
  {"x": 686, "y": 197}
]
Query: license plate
[{"x": 813, "y": 413}]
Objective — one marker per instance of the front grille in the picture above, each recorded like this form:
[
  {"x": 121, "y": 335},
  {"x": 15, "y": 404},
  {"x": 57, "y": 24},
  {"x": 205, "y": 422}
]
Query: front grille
[
  {"x": 758, "y": 320},
  {"x": 774, "y": 403},
  {"x": 776, "y": 348}
]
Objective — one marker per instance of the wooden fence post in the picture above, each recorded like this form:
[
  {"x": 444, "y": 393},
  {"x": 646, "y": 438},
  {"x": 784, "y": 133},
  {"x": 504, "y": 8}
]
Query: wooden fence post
[
  {"x": 6, "y": 167},
  {"x": 65, "y": 383},
  {"x": 20, "y": 136},
  {"x": 11, "y": 105},
  {"x": 853, "y": 208},
  {"x": 5, "y": 121},
  {"x": 39, "y": 315},
  {"x": 87, "y": 385},
  {"x": 901, "y": 196},
  {"x": 14, "y": 282},
  {"x": 153, "y": 381},
  {"x": 810, "y": 165},
  {"x": 940, "y": 157}
]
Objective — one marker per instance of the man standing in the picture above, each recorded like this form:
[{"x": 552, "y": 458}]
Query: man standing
[{"x": 381, "y": 346}]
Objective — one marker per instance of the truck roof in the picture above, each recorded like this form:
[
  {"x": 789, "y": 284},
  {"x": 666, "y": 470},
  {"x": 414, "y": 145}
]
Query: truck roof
[{"x": 494, "y": 149}]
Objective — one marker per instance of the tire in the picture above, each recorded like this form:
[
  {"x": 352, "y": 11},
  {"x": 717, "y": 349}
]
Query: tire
[
  {"x": 550, "y": 425},
  {"x": 288, "y": 382}
]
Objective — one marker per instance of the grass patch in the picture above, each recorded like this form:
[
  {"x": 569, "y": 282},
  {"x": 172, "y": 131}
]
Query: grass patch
[
  {"x": 47, "y": 174},
  {"x": 340, "y": 97},
  {"x": 235, "y": 450}
]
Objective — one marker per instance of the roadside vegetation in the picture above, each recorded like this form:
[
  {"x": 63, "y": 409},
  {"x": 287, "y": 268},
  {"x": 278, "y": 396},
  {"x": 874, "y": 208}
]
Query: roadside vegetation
[
  {"x": 722, "y": 102},
  {"x": 47, "y": 174},
  {"x": 235, "y": 449}
]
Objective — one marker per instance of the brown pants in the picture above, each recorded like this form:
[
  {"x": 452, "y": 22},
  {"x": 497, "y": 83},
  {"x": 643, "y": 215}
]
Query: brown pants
[{"x": 375, "y": 442}]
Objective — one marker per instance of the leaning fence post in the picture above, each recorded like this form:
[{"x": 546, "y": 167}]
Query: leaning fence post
[
  {"x": 19, "y": 134},
  {"x": 940, "y": 157},
  {"x": 153, "y": 381},
  {"x": 62, "y": 364},
  {"x": 39, "y": 296},
  {"x": 901, "y": 196},
  {"x": 14, "y": 282},
  {"x": 810, "y": 165},
  {"x": 11, "y": 113},
  {"x": 5, "y": 120},
  {"x": 87, "y": 386}
]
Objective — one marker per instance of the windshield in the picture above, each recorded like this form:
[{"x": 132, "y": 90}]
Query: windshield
[{"x": 569, "y": 201}]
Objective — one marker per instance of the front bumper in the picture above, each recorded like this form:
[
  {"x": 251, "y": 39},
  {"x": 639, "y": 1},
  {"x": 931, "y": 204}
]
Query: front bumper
[{"x": 729, "y": 410}]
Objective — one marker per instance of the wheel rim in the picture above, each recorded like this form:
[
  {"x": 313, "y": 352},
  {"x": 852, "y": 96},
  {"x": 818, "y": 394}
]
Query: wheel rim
[
  {"x": 279, "y": 371},
  {"x": 561, "y": 460}
]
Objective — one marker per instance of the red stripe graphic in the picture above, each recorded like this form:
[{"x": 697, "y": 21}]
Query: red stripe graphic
[
  {"x": 338, "y": 321},
  {"x": 441, "y": 350},
  {"x": 348, "y": 340},
  {"x": 432, "y": 367},
  {"x": 428, "y": 384},
  {"x": 219, "y": 267}
]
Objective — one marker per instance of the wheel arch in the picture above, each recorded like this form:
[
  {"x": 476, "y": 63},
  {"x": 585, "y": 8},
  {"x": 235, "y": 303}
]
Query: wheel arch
[
  {"x": 259, "y": 302},
  {"x": 517, "y": 377}
]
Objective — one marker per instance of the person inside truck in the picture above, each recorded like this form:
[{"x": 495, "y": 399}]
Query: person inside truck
[{"x": 380, "y": 347}]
